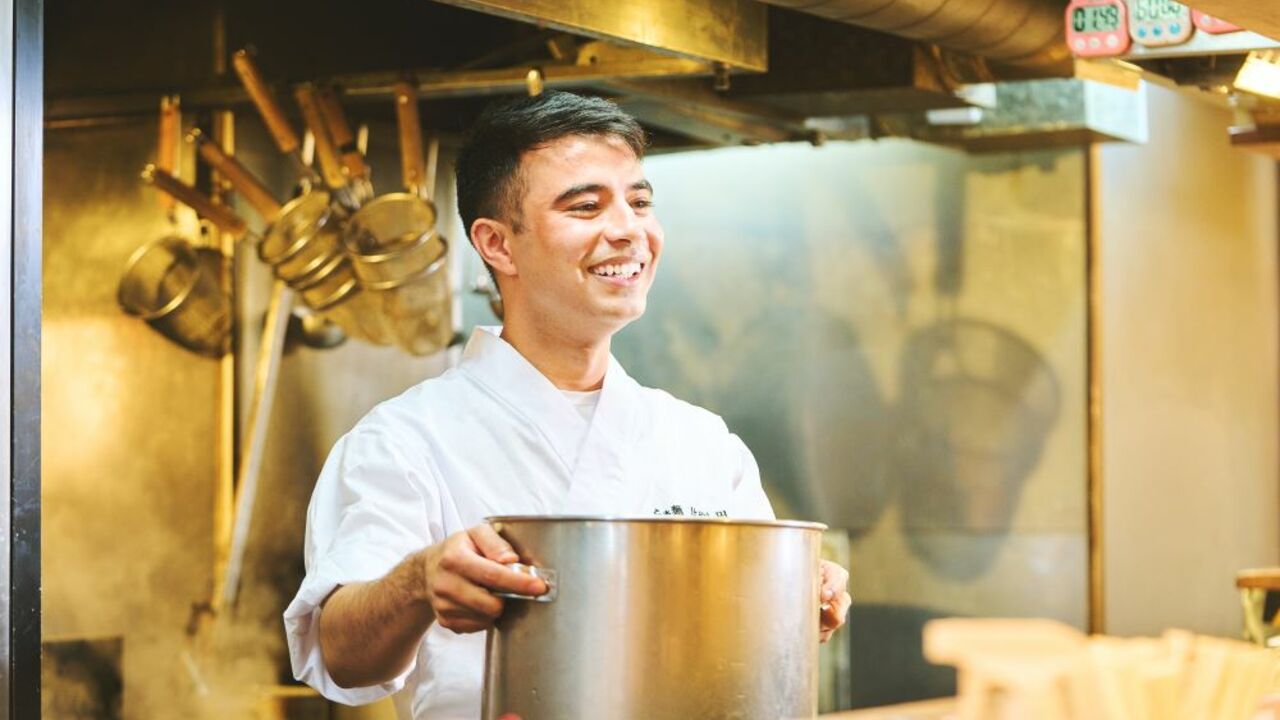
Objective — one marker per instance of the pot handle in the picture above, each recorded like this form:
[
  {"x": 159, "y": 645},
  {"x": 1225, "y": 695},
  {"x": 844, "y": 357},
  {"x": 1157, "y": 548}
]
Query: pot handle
[
  {"x": 265, "y": 100},
  {"x": 409, "y": 125},
  {"x": 340, "y": 130},
  {"x": 167, "y": 146},
  {"x": 546, "y": 574},
  {"x": 224, "y": 217},
  {"x": 241, "y": 178},
  {"x": 326, "y": 153}
]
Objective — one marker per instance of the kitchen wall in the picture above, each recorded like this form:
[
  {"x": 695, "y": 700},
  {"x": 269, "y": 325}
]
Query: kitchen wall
[
  {"x": 898, "y": 332},
  {"x": 128, "y": 427},
  {"x": 1189, "y": 364},
  {"x": 129, "y": 439}
]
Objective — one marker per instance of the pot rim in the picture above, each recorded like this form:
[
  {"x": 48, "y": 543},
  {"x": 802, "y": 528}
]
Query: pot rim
[{"x": 799, "y": 524}]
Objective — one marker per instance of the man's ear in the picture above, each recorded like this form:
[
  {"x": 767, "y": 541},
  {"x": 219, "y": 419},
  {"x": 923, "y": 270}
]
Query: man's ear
[{"x": 492, "y": 239}]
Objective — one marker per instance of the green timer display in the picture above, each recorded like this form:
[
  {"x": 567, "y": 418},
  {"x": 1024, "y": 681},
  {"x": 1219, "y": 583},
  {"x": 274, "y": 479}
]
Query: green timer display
[
  {"x": 1159, "y": 22},
  {"x": 1144, "y": 10},
  {"x": 1096, "y": 18}
]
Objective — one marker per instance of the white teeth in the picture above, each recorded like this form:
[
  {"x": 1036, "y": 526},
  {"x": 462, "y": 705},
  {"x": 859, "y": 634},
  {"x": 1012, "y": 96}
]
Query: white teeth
[{"x": 624, "y": 270}]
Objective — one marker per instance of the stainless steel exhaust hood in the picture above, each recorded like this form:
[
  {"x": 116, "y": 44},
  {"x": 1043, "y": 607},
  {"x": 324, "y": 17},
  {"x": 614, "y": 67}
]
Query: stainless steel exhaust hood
[{"x": 1018, "y": 32}]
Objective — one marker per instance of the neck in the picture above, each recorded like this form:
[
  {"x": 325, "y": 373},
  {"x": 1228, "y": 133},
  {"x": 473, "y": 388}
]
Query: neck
[{"x": 569, "y": 363}]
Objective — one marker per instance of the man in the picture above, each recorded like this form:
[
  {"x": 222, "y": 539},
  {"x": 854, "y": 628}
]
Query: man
[{"x": 538, "y": 419}]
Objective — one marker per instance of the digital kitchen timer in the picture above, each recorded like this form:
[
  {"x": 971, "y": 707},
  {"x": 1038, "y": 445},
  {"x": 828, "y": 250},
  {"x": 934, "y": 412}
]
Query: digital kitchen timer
[
  {"x": 1159, "y": 22},
  {"x": 1097, "y": 28}
]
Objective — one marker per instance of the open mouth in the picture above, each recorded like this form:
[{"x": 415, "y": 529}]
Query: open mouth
[{"x": 617, "y": 271}]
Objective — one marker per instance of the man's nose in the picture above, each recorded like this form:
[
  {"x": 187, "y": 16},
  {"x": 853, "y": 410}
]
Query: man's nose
[{"x": 622, "y": 224}]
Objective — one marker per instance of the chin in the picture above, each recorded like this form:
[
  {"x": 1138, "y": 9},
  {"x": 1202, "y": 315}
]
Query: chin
[{"x": 620, "y": 317}]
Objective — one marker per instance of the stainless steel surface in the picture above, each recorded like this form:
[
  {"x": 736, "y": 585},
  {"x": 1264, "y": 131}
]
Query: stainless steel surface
[
  {"x": 367, "y": 86},
  {"x": 801, "y": 336},
  {"x": 124, "y": 398},
  {"x": 820, "y": 68},
  {"x": 645, "y": 520},
  {"x": 706, "y": 125},
  {"x": 659, "y": 618},
  {"x": 547, "y": 575},
  {"x": 1203, "y": 43},
  {"x": 266, "y": 376},
  {"x": 1027, "y": 32},
  {"x": 1038, "y": 114},
  {"x": 224, "y": 484},
  {"x": 734, "y": 32},
  {"x": 6, "y": 337},
  {"x": 127, "y": 399},
  {"x": 696, "y": 109},
  {"x": 19, "y": 327}
]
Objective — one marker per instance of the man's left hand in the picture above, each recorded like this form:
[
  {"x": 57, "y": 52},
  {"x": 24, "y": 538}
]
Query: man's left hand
[{"x": 835, "y": 598}]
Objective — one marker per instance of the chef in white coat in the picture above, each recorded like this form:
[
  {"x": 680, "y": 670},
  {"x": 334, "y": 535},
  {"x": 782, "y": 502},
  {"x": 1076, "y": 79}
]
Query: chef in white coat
[{"x": 537, "y": 418}]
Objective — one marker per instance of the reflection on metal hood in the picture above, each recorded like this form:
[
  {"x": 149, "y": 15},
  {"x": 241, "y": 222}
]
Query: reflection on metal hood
[{"x": 1019, "y": 32}]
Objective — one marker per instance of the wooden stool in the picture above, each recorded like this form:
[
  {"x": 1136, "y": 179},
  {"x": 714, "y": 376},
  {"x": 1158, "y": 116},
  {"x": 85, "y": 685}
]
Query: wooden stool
[{"x": 1254, "y": 584}]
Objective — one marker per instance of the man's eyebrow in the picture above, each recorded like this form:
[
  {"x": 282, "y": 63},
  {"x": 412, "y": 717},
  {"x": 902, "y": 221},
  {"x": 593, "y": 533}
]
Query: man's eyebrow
[
  {"x": 578, "y": 190},
  {"x": 596, "y": 187}
]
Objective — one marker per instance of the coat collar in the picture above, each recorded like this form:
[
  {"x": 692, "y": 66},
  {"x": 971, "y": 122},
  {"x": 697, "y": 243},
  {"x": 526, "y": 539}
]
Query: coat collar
[{"x": 501, "y": 369}]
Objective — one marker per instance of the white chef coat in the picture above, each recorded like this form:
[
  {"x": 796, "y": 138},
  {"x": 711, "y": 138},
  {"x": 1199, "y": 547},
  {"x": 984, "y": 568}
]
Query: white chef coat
[{"x": 493, "y": 436}]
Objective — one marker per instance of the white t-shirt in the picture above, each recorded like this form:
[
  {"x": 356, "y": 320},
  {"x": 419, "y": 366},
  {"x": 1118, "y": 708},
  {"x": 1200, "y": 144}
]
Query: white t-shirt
[
  {"x": 584, "y": 402},
  {"x": 491, "y": 437}
]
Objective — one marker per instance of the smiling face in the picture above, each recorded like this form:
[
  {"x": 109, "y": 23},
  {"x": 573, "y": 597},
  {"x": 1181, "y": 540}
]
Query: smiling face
[{"x": 581, "y": 256}]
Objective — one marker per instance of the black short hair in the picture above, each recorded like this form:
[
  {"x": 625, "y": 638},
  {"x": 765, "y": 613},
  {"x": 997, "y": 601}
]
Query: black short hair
[{"x": 488, "y": 164}]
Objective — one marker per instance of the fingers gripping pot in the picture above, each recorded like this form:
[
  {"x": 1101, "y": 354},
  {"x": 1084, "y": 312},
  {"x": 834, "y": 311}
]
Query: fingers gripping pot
[{"x": 659, "y": 618}]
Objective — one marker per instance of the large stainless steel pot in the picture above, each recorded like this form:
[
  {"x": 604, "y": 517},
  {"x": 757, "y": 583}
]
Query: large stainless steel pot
[{"x": 658, "y": 618}]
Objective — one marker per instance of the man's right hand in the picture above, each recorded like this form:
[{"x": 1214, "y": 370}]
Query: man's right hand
[
  {"x": 370, "y": 631},
  {"x": 462, "y": 573}
]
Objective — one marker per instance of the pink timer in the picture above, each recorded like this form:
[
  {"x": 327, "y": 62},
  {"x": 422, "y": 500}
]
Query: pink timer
[
  {"x": 1213, "y": 25},
  {"x": 1097, "y": 28}
]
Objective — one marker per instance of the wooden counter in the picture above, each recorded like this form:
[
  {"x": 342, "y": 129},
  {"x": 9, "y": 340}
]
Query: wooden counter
[{"x": 939, "y": 709}]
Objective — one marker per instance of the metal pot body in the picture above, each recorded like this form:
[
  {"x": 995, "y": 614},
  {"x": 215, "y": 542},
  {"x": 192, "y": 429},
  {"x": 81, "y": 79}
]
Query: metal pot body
[{"x": 659, "y": 618}]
